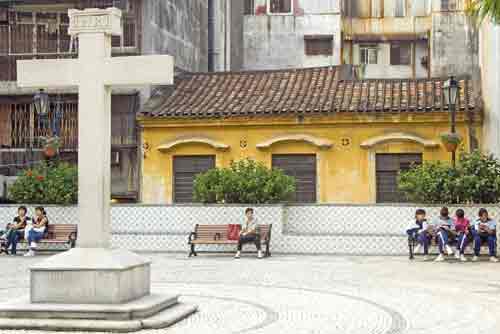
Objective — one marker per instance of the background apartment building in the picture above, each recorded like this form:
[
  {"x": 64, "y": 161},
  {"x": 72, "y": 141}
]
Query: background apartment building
[
  {"x": 385, "y": 38},
  {"x": 198, "y": 33}
]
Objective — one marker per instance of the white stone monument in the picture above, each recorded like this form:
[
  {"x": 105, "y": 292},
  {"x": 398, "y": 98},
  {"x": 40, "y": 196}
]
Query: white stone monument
[{"x": 93, "y": 287}]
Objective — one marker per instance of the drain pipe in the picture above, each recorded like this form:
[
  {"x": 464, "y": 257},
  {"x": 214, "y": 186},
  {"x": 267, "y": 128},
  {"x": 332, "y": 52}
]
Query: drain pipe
[{"x": 211, "y": 35}]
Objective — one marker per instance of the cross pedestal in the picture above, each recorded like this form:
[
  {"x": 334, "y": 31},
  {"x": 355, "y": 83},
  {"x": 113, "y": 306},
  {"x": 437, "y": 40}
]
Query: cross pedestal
[{"x": 93, "y": 287}]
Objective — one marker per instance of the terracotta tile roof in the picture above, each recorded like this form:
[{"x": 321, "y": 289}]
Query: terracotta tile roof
[{"x": 310, "y": 90}]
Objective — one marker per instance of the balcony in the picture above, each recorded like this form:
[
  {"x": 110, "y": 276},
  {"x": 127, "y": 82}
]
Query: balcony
[{"x": 387, "y": 26}]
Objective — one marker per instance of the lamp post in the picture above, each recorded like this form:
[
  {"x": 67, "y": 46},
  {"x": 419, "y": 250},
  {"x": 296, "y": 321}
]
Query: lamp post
[{"x": 450, "y": 90}]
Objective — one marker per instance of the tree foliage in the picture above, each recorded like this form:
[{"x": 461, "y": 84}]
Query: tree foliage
[
  {"x": 245, "y": 181},
  {"x": 46, "y": 183},
  {"x": 476, "y": 179},
  {"x": 484, "y": 9}
]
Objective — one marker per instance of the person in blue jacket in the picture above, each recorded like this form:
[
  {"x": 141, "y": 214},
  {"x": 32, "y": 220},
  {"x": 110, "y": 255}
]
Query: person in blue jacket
[
  {"x": 419, "y": 230},
  {"x": 485, "y": 230}
]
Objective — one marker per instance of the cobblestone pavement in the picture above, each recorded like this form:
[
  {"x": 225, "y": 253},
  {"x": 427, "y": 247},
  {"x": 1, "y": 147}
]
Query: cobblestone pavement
[{"x": 313, "y": 295}]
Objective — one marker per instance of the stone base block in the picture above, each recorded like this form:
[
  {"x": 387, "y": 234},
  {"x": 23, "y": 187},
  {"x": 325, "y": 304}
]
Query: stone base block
[
  {"x": 163, "y": 319},
  {"x": 138, "y": 309},
  {"x": 90, "y": 276}
]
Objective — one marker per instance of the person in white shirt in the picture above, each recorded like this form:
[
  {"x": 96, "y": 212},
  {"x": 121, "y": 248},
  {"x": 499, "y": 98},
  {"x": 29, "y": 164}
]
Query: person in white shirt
[
  {"x": 249, "y": 233},
  {"x": 37, "y": 230}
]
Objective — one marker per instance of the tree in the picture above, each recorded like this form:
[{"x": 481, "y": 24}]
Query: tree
[
  {"x": 431, "y": 182},
  {"x": 46, "y": 183},
  {"x": 245, "y": 181},
  {"x": 485, "y": 9},
  {"x": 476, "y": 179}
]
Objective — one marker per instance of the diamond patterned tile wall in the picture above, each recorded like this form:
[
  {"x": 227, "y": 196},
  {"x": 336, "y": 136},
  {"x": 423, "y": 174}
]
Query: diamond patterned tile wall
[{"x": 307, "y": 229}]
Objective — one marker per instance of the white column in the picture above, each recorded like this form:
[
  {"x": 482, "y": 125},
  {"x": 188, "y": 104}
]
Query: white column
[{"x": 94, "y": 131}]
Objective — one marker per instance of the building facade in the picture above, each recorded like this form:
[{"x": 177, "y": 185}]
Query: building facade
[
  {"x": 291, "y": 34},
  {"x": 344, "y": 141},
  {"x": 386, "y": 38},
  {"x": 38, "y": 30},
  {"x": 490, "y": 80}
]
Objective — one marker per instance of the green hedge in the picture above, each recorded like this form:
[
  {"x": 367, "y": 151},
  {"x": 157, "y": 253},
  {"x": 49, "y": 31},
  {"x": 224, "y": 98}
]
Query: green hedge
[
  {"x": 245, "y": 181},
  {"x": 46, "y": 183},
  {"x": 476, "y": 179}
]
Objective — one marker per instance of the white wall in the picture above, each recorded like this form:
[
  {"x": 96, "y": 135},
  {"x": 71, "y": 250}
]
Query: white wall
[
  {"x": 490, "y": 80},
  {"x": 306, "y": 229}
]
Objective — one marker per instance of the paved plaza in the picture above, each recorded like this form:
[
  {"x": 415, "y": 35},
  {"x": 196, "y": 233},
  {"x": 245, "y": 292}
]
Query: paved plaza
[{"x": 315, "y": 294}]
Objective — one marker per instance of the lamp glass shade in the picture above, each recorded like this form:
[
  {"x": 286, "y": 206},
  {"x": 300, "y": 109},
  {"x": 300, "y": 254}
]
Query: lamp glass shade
[
  {"x": 41, "y": 102},
  {"x": 450, "y": 91}
]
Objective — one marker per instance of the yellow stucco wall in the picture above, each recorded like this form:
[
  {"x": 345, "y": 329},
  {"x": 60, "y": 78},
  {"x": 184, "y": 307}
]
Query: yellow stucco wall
[{"x": 345, "y": 173}]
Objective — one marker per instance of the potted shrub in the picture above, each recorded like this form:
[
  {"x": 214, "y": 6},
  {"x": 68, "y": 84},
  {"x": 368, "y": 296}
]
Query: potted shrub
[
  {"x": 50, "y": 146},
  {"x": 451, "y": 141}
]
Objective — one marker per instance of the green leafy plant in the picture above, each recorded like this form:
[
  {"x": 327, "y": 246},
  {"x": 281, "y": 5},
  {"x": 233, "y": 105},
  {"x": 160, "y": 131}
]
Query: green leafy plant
[
  {"x": 245, "y": 181},
  {"x": 50, "y": 142},
  {"x": 451, "y": 138},
  {"x": 484, "y": 9},
  {"x": 46, "y": 183},
  {"x": 431, "y": 182},
  {"x": 476, "y": 179}
]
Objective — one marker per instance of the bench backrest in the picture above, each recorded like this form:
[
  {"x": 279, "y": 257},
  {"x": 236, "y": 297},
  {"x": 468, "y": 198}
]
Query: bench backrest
[
  {"x": 60, "y": 231},
  {"x": 212, "y": 232}
]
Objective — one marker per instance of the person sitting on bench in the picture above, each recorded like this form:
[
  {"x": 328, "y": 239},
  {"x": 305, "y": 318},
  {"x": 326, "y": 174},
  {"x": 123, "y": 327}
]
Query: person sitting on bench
[
  {"x": 485, "y": 229},
  {"x": 37, "y": 231},
  {"x": 16, "y": 231},
  {"x": 462, "y": 227},
  {"x": 422, "y": 232},
  {"x": 249, "y": 233},
  {"x": 445, "y": 227}
]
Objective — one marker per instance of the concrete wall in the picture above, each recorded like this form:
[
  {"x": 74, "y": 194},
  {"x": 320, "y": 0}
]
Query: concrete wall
[
  {"x": 490, "y": 79},
  {"x": 311, "y": 229},
  {"x": 454, "y": 45},
  {"x": 277, "y": 41},
  {"x": 180, "y": 28},
  {"x": 165, "y": 31}
]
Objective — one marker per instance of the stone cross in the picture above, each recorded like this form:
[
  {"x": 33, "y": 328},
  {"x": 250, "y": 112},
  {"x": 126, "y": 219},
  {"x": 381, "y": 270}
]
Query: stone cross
[{"x": 93, "y": 73}]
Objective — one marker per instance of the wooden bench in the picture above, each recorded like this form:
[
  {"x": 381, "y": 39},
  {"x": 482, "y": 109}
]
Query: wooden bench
[
  {"x": 413, "y": 242},
  {"x": 217, "y": 235},
  {"x": 60, "y": 234}
]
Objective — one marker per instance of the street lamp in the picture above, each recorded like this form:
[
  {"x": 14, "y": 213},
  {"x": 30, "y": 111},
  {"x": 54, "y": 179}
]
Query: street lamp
[
  {"x": 41, "y": 102},
  {"x": 450, "y": 91}
]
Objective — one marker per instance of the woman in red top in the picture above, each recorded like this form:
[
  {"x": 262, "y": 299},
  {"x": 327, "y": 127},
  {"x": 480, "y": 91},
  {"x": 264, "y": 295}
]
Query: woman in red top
[{"x": 462, "y": 227}]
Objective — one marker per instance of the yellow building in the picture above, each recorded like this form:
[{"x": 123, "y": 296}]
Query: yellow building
[{"x": 344, "y": 140}]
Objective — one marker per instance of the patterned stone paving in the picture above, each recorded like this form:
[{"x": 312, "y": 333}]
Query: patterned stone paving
[{"x": 315, "y": 294}]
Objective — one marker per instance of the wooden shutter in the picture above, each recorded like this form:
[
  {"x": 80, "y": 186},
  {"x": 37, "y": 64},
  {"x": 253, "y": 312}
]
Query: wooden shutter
[
  {"x": 388, "y": 167},
  {"x": 123, "y": 125},
  {"x": 318, "y": 45},
  {"x": 281, "y": 6},
  {"x": 185, "y": 170},
  {"x": 5, "y": 131},
  {"x": 400, "y": 54},
  {"x": 249, "y": 7},
  {"x": 303, "y": 168}
]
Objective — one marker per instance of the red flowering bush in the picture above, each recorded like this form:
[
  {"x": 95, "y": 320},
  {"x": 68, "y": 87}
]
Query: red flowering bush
[{"x": 47, "y": 183}]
